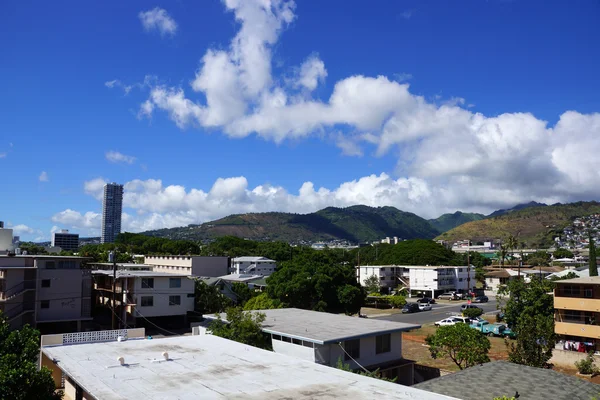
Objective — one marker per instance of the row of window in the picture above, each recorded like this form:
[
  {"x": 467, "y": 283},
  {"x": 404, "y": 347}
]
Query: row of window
[
  {"x": 294, "y": 341},
  {"x": 175, "y": 300},
  {"x": 148, "y": 283},
  {"x": 63, "y": 264},
  {"x": 576, "y": 291}
]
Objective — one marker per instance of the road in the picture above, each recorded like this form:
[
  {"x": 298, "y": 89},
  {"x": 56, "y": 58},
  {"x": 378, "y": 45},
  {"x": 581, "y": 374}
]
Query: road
[{"x": 439, "y": 311}]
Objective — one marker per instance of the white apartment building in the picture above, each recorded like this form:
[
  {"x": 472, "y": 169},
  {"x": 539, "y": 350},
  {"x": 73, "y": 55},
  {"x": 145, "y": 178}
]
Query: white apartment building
[
  {"x": 253, "y": 265},
  {"x": 51, "y": 293},
  {"x": 6, "y": 239},
  {"x": 201, "y": 266},
  {"x": 146, "y": 294},
  {"x": 325, "y": 338},
  {"x": 423, "y": 278},
  {"x": 65, "y": 240},
  {"x": 100, "y": 366}
]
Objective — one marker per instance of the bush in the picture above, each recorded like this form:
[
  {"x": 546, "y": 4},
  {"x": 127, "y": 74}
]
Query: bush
[
  {"x": 472, "y": 312},
  {"x": 396, "y": 301},
  {"x": 586, "y": 366}
]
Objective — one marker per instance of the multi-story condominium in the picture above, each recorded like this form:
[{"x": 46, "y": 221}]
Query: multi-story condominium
[
  {"x": 576, "y": 318},
  {"x": 420, "y": 278},
  {"x": 325, "y": 338},
  {"x": 6, "y": 239},
  {"x": 142, "y": 295},
  {"x": 201, "y": 266},
  {"x": 65, "y": 240},
  {"x": 112, "y": 207},
  {"x": 124, "y": 364},
  {"x": 51, "y": 293},
  {"x": 253, "y": 265}
]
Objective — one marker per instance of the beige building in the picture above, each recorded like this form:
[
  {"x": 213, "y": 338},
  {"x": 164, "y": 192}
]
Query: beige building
[
  {"x": 203, "y": 266},
  {"x": 51, "y": 293}
]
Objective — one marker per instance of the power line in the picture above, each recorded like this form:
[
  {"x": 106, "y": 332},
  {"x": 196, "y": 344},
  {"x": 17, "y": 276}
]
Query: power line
[
  {"x": 152, "y": 323},
  {"x": 357, "y": 363}
]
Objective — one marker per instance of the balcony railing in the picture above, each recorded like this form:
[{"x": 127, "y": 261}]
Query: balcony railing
[
  {"x": 17, "y": 289},
  {"x": 577, "y": 303},
  {"x": 18, "y": 309}
]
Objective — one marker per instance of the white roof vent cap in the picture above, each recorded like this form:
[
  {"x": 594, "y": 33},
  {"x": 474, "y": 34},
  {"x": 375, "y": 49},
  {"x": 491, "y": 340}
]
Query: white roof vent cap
[
  {"x": 165, "y": 356},
  {"x": 121, "y": 360}
]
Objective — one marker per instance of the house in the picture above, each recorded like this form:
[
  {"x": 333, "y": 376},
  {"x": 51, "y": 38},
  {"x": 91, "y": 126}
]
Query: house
[
  {"x": 123, "y": 364},
  {"x": 420, "y": 278},
  {"x": 189, "y": 265},
  {"x": 325, "y": 338},
  {"x": 51, "y": 293},
  {"x": 253, "y": 265},
  {"x": 146, "y": 295},
  {"x": 497, "y": 278},
  {"x": 502, "y": 378},
  {"x": 577, "y": 319}
]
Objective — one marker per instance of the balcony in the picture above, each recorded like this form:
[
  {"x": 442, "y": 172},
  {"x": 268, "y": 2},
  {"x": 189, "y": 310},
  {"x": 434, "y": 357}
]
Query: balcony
[
  {"x": 16, "y": 290},
  {"x": 575, "y": 329},
  {"x": 577, "y": 303}
]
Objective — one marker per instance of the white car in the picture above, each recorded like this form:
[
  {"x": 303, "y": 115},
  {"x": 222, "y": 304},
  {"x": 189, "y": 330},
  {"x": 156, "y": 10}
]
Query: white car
[
  {"x": 446, "y": 322},
  {"x": 424, "y": 307}
]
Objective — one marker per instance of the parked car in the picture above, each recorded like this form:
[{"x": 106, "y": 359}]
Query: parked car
[
  {"x": 491, "y": 329},
  {"x": 480, "y": 299},
  {"x": 448, "y": 296},
  {"x": 426, "y": 300},
  {"x": 467, "y": 306},
  {"x": 424, "y": 307},
  {"x": 446, "y": 322},
  {"x": 410, "y": 308}
]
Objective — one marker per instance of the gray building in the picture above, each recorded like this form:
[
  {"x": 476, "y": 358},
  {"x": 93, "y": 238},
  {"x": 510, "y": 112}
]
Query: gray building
[
  {"x": 112, "y": 207},
  {"x": 65, "y": 240}
]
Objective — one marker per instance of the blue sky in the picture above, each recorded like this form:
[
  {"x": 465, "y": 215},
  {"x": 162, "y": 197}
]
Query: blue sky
[{"x": 424, "y": 105}]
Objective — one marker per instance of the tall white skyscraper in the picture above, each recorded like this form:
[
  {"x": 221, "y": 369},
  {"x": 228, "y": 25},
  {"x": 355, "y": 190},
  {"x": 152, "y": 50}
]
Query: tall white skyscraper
[{"x": 112, "y": 207}]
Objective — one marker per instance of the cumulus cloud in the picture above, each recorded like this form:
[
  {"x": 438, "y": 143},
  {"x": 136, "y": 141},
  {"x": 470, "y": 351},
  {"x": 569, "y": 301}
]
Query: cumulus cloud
[
  {"x": 44, "y": 177},
  {"x": 158, "y": 19},
  {"x": 116, "y": 157},
  {"x": 22, "y": 229},
  {"x": 90, "y": 221},
  {"x": 448, "y": 156},
  {"x": 95, "y": 187}
]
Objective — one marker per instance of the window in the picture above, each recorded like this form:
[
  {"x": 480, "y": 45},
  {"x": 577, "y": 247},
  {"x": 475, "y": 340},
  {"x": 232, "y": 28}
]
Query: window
[
  {"x": 382, "y": 278},
  {"x": 45, "y": 282},
  {"x": 147, "y": 283},
  {"x": 174, "y": 300},
  {"x": 460, "y": 270},
  {"x": 460, "y": 279},
  {"x": 383, "y": 343},
  {"x": 286, "y": 339},
  {"x": 572, "y": 315},
  {"x": 174, "y": 282},
  {"x": 50, "y": 265},
  {"x": 352, "y": 348},
  {"x": 276, "y": 337},
  {"x": 147, "y": 301},
  {"x": 45, "y": 304},
  {"x": 191, "y": 295},
  {"x": 382, "y": 269},
  {"x": 571, "y": 291},
  {"x": 588, "y": 293},
  {"x": 297, "y": 341},
  {"x": 307, "y": 344}
]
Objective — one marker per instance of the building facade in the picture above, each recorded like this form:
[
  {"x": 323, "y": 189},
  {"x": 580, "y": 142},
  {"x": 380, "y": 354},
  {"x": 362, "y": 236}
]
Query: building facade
[
  {"x": 253, "y": 265},
  {"x": 47, "y": 292},
  {"x": 65, "y": 240},
  {"x": 112, "y": 208},
  {"x": 201, "y": 266},
  {"x": 140, "y": 295}
]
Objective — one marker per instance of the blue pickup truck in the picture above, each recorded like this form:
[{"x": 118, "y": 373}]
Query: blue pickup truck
[{"x": 492, "y": 329}]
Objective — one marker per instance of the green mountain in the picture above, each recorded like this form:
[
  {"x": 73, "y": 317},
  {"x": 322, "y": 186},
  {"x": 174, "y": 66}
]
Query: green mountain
[
  {"x": 355, "y": 224},
  {"x": 448, "y": 221},
  {"x": 536, "y": 226},
  {"x": 518, "y": 207}
]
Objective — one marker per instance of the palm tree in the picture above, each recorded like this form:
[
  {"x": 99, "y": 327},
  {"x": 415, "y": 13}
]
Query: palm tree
[{"x": 511, "y": 243}]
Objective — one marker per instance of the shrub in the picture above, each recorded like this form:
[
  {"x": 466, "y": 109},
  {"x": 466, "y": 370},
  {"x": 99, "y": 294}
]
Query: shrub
[
  {"x": 586, "y": 366},
  {"x": 396, "y": 301},
  {"x": 473, "y": 312}
]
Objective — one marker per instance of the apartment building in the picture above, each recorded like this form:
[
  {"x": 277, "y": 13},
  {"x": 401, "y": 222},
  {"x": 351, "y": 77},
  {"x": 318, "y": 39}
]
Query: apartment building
[
  {"x": 65, "y": 240},
  {"x": 146, "y": 295},
  {"x": 51, "y": 293},
  {"x": 112, "y": 208},
  {"x": 124, "y": 364},
  {"x": 325, "y": 338},
  {"x": 420, "y": 278},
  {"x": 204, "y": 266},
  {"x": 577, "y": 317},
  {"x": 253, "y": 265},
  {"x": 6, "y": 239}
]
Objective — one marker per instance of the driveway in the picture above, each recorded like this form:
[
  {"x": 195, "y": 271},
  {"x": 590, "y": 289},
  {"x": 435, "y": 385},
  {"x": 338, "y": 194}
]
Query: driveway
[{"x": 438, "y": 312}]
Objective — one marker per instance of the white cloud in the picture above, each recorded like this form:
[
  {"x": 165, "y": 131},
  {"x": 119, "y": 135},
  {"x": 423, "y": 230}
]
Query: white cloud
[
  {"x": 407, "y": 14},
  {"x": 403, "y": 77},
  {"x": 22, "y": 229},
  {"x": 89, "y": 222},
  {"x": 116, "y": 157},
  {"x": 158, "y": 19},
  {"x": 95, "y": 187},
  {"x": 44, "y": 177},
  {"x": 451, "y": 156}
]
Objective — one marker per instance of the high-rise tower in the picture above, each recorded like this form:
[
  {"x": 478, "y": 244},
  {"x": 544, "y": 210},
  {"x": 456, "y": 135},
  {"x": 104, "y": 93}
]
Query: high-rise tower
[{"x": 112, "y": 207}]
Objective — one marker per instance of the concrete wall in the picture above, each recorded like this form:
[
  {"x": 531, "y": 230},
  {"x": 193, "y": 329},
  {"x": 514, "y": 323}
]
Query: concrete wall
[
  {"x": 210, "y": 266},
  {"x": 294, "y": 350},
  {"x": 567, "y": 359},
  {"x": 64, "y": 294},
  {"x": 180, "y": 261},
  {"x": 197, "y": 266},
  {"x": 161, "y": 293}
]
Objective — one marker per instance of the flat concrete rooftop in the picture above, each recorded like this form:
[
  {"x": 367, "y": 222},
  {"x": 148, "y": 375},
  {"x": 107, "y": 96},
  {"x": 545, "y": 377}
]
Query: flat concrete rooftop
[
  {"x": 322, "y": 328},
  {"x": 209, "y": 367}
]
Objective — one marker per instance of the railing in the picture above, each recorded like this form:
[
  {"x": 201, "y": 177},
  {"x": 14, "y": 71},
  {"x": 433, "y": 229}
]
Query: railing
[
  {"x": 17, "y": 289},
  {"x": 18, "y": 309}
]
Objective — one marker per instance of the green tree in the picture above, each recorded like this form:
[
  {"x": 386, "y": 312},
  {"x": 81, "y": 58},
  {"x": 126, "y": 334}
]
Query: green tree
[
  {"x": 529, "y": 311},
  {"x": 397, "y": 301},
  {"x": 243, "y": 292},
  {"x": 372, "y": 284},
  {"x": 20, "y": 378},
  {"x": 209, "y": 298},
  {"x": 241, "y": 326},
  {"x": 262, "y": 302},
  {"x": 562, "y": 253},
  {"x": 587, "y": 366},
  {"x": 472, "y": 312},
  {"x": 593, "y": 259},
  {"x": 464, "y": 345},
  {"x": 511, "y": 244}
]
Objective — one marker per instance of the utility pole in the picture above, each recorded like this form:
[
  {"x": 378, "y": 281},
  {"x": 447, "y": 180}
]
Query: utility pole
[
  {"x": 469, "y": 267},
  {"x": 113, "y": 255}
]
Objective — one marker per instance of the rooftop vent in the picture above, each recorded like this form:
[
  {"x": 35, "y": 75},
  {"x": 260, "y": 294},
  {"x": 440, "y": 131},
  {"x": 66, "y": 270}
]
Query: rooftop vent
[
  {"x": 121, "y": 360},
  {"x": 165, "y": 356}
]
